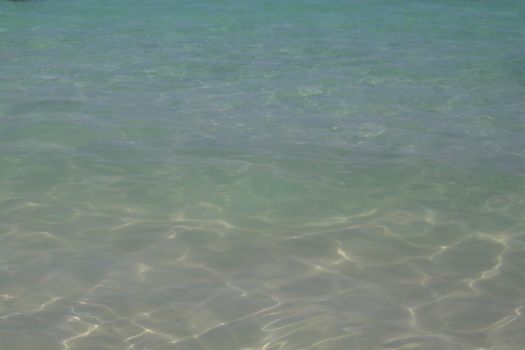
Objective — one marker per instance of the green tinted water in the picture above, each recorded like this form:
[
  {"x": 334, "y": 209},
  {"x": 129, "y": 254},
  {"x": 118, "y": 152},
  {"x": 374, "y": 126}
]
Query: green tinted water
[{"x": 262, "y": 175}]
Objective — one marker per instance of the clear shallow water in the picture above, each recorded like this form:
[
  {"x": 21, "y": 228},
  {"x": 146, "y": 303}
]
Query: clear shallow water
[{"x": 262, "y": 175}]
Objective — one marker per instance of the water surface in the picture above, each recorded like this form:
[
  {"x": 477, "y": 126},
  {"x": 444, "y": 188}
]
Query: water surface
[{"x": 262, "y": 175}]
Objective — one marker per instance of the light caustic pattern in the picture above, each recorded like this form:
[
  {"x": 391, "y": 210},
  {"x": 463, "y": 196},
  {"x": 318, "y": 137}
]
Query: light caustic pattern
[{"x": 381, "y": 278}]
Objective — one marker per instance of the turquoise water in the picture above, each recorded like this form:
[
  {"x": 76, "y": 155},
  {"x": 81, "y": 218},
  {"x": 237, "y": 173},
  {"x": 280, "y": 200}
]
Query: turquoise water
[{"x": 262, "y": 175}]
